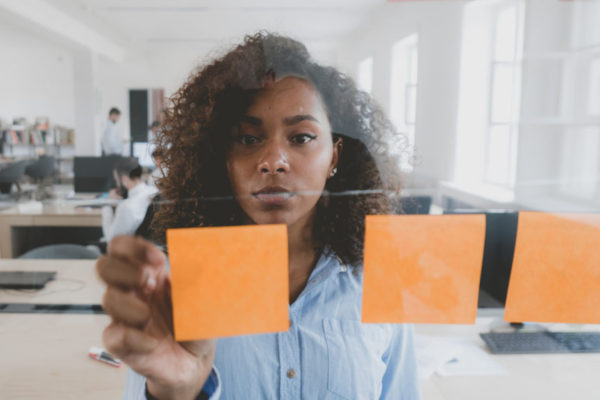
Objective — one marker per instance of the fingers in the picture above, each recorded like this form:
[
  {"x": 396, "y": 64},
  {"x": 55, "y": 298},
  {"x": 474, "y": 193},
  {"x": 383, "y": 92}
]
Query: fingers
[
  {"x": 122, "y": 340},
  {"x": 131, "y": 262},
  {"x": 136, "y": 250},
  {"x": 117, "y": 272},
  {"x": 125, "y": 306},
  {"x": 133, "y": 270}
]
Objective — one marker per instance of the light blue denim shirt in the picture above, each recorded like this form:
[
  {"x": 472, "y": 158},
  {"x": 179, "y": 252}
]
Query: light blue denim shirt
[{"x": 326, "y": 354}]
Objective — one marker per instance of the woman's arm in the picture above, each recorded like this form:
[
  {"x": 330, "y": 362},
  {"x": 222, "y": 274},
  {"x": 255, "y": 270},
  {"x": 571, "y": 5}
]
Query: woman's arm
[
  {"x": 136, "y": 389},
  {"x": 138, "y": 300},
  {"x": 401, "y": 380}
]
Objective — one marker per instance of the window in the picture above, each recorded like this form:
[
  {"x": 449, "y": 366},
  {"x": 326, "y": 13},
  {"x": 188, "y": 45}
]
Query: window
[
  {"x": 403, "y": 99},
  {"x": 593, "y": 104},
  {"x": 579, "y": 163},
  {"x": 365, "y": 74},
  {"x": 502, "y": 133}
]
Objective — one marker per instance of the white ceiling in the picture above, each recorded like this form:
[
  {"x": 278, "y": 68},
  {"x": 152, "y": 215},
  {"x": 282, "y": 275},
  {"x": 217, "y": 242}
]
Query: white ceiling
[{"x": 145, "y": 24}]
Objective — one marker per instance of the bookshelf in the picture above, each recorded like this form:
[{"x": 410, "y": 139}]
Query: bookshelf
[{"x": 21, "y": 140}]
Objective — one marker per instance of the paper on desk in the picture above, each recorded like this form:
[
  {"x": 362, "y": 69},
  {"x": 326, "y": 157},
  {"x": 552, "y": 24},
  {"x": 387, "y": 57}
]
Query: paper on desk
[
  {"x": 433, "y": 352},
  {"x": 422, "y": 268},
  {"x": 34, "y": 207},
  {"x": 471, "y": 360},
  {"x": 453, "y": 356},
  {"x": 229, "y": 281}
]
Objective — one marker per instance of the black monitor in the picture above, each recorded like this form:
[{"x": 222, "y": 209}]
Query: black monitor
[
  {"x": 498, "y": 252},
  {"x": 94, "y": 174}
]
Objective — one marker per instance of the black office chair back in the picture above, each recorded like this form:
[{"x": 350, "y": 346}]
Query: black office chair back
[
  {"x": 62, "y": 252},
  {"x": 11, "y": 174},
  {"x": 42, "y": 168},
  {"x": 415, "y": 205}
]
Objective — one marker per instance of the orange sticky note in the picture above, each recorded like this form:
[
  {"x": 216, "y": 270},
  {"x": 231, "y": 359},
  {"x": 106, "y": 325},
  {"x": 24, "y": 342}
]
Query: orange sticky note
[
  {"x": 556, "y": 269},
  {"x": 229, "y": 281},
  {"x": 422, "y": 268}
]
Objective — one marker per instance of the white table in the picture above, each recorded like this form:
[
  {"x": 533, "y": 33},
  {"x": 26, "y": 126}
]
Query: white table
[{"x": 530, "y": 376}]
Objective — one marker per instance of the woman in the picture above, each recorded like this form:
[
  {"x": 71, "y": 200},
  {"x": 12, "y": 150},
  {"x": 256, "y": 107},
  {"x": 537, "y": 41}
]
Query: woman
[{"x": 265, "y": 135}]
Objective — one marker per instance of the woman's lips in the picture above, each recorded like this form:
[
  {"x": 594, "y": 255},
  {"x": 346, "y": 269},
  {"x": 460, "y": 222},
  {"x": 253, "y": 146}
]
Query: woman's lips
[{"x": 273, "y": 195}]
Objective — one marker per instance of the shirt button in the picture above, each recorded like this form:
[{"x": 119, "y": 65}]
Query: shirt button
[
  {"x": 291, "y": 373},
  {"x": 355, "y": 272}
]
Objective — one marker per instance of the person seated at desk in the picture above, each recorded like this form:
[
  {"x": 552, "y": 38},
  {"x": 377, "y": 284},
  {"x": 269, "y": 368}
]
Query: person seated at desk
[
  {"x": 160, "y": 168},
  {"x": 129, "y": 213}
]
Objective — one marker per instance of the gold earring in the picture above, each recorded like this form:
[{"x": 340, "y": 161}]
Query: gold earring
[{"x": 333, "y": 172}]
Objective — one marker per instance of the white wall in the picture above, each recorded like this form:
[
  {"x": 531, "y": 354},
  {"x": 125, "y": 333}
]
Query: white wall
[
  {"x": 164, "y": 67},
  {"x": 439, "y": 28},
  {"x": 36, "y": 77},
  {"x": 558, "y": 139},
  {"x": 44, "y": 75}
]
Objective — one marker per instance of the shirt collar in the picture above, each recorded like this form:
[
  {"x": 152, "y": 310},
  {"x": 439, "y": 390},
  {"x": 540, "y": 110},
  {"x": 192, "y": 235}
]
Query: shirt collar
[
  {"x": 137, "y": 189},
  {"x": 328, "y": 263}
]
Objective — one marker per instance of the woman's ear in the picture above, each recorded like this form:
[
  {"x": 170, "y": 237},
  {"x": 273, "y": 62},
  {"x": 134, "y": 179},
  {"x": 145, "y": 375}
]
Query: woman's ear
[{"x": 338, "y": 144}]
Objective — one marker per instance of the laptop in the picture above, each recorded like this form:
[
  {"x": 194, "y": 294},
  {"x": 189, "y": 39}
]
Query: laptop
[{"x": 25, "y": 279}]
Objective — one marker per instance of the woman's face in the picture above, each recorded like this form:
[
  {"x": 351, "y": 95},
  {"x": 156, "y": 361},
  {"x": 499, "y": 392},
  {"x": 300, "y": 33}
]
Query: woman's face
[{"x": 282, "y": 154}]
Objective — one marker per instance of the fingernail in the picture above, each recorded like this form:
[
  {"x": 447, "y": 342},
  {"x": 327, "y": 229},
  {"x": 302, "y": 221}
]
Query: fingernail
[{"x": 150, "y": 283}]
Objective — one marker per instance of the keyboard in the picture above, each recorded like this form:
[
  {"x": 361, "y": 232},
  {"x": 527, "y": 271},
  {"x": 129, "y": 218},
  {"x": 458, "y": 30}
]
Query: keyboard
[{"x": 542, "y": 342}]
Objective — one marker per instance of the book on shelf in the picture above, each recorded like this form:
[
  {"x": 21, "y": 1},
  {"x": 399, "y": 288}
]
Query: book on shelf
[{"x": 17, "y": 136}]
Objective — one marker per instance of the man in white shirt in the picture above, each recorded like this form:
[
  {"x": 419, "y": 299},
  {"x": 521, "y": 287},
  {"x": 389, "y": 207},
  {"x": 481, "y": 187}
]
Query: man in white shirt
[
  {"x": 153, "y": 130},
  {"x": 131, "y": 211},
  {"x": 111, "y": 139}
]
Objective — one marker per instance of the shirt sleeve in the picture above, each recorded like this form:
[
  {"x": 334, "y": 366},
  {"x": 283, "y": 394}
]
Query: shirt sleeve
[
  {"x": 123, "y": 223},
  {"x": 401, "y": 381},
  {"x": 135, "y": 386},
  {"x": 107, "y": 220}
]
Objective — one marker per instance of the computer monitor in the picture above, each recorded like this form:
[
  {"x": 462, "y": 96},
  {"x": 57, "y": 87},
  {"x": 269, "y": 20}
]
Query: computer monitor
[
  {"x": 143, "y": 152},
  {"x": 498, "y": 252},
  {"x": 94, "y": 174}
]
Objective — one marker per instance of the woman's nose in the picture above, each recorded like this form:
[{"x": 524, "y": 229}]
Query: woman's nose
[{"x": 274, "y": 159}]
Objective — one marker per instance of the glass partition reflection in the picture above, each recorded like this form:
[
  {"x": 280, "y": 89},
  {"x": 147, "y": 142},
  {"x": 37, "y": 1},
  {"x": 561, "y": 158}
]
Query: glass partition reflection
[{"x": 327, "y": 200}]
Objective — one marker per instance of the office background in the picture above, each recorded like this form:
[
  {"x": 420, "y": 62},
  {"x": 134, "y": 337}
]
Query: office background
[{"x": 500, "y": 98}]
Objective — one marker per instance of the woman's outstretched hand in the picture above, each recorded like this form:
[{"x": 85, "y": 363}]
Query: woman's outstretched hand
[{"x": 138, "y": 299}]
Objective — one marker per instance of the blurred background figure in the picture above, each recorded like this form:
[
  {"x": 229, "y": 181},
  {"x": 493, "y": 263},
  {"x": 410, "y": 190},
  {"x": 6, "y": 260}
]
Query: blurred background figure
[
  {"x": 130, "y": 213},
  {"x": 154, "y": 128},
  {"x": 111, "y": 139}
]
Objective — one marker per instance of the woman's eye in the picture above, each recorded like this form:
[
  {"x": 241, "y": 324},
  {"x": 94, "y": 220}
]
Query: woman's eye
[
  {"x": 303, "y": 138},
  {"x": 247, "y": 139}
]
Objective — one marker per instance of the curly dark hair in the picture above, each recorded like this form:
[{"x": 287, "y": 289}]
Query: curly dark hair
[{"x": 197, "y": 134}]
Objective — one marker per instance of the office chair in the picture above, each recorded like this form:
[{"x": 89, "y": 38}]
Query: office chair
[
  {"x": 39, "y": 171},
  {"x": 42, "y": 168},
  {"x": 415, "y": 205},
  {"x": 62, "y": 251},
  {"x": 10, "y": 174}
]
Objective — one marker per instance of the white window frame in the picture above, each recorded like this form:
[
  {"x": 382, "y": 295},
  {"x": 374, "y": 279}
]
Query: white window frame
[
  {"x": 404, "y": 83},
  {"x": 365, "y": 74},
  {"x": 513, "y": 122}
]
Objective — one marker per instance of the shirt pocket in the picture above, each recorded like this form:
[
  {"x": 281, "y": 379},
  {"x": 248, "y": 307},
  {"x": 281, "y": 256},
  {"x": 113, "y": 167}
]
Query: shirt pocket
[{"x": 355, "y": 358}]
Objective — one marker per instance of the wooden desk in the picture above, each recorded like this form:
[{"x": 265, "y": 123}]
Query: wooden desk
[
  {"x": 542, "y": 376},
  {"x": 44, "y": 356},
  {"x": 58, "y": 215}
]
